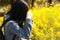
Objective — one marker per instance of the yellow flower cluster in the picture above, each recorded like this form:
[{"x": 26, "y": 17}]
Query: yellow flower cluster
[
  {"x": 46, "y": 23},
  {"x": 1, "y": 20}
]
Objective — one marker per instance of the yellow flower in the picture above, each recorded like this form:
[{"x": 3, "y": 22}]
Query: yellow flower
[{"x": 58, "y": 34}]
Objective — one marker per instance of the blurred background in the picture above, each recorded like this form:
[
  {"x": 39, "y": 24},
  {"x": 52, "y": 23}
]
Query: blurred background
[{"x": 46, "y": 17}]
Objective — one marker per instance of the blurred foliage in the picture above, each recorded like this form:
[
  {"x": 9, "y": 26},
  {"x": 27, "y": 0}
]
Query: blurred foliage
[
  {"x": 4, "y": 2},
  {"x": 46, "y": 20},
  {"x": 46, "y": 23}
]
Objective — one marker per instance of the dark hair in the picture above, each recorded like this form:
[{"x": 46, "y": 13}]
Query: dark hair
[{"x": 18, "y": 12}]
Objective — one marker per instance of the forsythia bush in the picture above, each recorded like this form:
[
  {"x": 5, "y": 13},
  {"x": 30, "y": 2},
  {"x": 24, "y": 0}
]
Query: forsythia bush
[
  {"x": 1, "y": 19},
  {"x": 46, "y": 23}
]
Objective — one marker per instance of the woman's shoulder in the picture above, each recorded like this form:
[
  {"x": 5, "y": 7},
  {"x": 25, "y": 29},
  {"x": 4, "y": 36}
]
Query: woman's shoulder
[{"x": 11, "y": 22}]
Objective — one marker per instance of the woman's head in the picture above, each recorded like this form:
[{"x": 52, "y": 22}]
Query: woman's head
[{"x": 19, "y": 11}]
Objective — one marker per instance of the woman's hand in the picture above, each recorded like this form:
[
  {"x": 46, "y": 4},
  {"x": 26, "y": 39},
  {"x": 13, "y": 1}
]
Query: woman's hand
[{"x": 29, "y": 15}]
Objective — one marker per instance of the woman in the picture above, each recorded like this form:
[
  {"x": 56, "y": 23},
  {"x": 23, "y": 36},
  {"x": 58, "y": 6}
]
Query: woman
[{"x": 19, "y": 23}]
